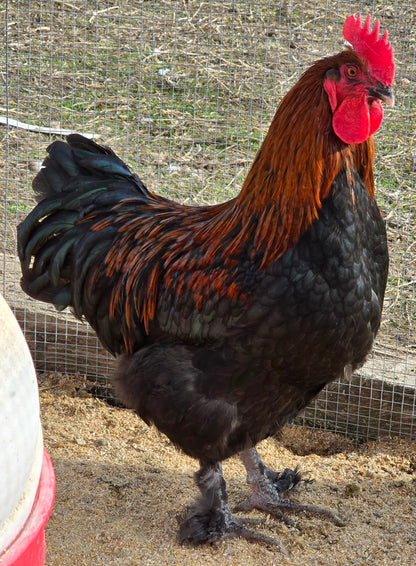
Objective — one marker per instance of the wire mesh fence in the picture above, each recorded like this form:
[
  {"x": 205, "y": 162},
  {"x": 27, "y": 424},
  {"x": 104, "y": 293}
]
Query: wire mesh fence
[{"x": 184, "y": 92}]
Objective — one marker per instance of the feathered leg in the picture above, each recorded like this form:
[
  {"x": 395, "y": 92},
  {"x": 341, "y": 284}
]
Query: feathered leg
[
  {"x": 210, "y": 519},
  {"x": 267, "y": 485}
]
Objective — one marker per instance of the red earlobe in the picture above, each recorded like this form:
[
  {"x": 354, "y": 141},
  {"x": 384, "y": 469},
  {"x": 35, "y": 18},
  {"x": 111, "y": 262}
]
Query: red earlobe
[{"x": 331, "y": 90}]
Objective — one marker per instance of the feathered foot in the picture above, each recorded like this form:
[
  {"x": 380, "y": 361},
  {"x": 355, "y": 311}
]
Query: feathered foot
[
  {"x": 209, "y": 519},
  {"x": 267, "y": 487}
]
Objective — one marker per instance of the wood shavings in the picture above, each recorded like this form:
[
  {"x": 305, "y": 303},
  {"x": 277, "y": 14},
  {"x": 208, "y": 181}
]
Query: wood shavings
[{"x": 121, "y": 485}]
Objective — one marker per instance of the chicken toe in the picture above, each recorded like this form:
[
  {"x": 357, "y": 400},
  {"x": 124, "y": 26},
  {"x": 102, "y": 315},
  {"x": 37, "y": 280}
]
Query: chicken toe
[
  {"x": 209, "y": 519},
  {"x": 267, "y": 488}
]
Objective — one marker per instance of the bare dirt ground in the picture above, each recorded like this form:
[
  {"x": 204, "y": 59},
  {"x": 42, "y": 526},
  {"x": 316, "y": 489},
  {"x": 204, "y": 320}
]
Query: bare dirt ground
[{"x": 120, "y": 486}]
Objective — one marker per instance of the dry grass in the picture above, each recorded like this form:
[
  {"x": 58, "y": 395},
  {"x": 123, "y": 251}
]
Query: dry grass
[{"x": 185, "y": 94}]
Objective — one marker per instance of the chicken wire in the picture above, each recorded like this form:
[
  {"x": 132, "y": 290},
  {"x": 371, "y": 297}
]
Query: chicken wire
[{"x": 184, "y": 91}]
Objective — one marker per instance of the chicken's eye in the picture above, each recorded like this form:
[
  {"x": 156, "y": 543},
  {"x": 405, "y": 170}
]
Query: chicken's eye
[{"x": 351, "y": 71}]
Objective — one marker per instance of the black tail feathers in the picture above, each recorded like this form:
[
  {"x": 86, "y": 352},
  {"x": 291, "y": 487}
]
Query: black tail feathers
[
  {"x": 79, "y": 183},
  {"x": 77, "y": 159}
]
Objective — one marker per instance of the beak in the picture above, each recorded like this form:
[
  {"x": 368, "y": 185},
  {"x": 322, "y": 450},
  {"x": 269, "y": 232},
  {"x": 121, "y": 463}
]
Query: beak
[{"x": 383, "y": 93}]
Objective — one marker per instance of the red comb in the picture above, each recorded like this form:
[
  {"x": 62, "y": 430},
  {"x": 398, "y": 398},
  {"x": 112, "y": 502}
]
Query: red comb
[{"x": 376, "y": 52}]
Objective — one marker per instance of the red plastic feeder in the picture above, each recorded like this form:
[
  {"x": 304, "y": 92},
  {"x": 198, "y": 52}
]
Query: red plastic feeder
[{"x": 28, "y": 549}]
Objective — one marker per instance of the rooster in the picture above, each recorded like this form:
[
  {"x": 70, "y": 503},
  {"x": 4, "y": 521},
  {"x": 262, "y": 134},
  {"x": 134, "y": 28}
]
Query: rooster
[{"x": 227, "y": 320}]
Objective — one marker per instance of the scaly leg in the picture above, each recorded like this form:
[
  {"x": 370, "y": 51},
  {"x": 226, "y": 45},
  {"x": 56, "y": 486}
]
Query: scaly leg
[
  {"x": 210, "y": 519},
  {"x": 266, "y": 485}
]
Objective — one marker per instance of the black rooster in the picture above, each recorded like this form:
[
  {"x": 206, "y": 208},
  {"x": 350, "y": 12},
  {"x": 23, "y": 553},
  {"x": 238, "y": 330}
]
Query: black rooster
[{"x": 229, "y": 319}]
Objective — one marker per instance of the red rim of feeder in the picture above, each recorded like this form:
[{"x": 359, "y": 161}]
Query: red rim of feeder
[{"x": 29, "y": 547}]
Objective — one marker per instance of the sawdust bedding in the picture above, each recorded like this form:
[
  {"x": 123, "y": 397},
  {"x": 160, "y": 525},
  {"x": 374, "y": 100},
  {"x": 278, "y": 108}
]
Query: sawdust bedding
[{"x": 120, "y": 486}]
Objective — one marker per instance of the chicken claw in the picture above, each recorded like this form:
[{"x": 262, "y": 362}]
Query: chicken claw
[
  {"x": 267, "y": 486},
  {"x": 210, "y": 520}
]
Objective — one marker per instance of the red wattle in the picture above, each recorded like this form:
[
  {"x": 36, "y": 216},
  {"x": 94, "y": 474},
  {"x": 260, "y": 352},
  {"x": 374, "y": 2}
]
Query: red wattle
[
  {"x": 355, "y": 120},
  {"x": 376, "y": 116}
]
